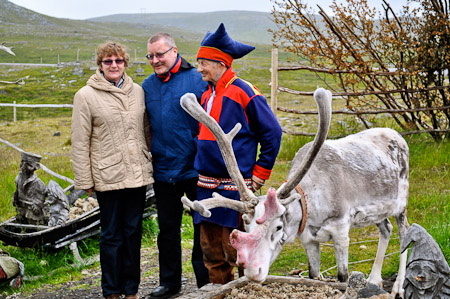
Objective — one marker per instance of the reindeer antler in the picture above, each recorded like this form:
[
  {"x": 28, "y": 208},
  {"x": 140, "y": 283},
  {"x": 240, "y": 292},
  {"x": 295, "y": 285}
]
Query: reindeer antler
[
  {"x": 216, "y": 201},
  {"x": 190, "y": 104},
  {"x": 323, "y": 101}
]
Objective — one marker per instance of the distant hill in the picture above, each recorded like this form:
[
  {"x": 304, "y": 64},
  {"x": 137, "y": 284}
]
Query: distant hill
[
  {"x": 36, "y": 37},
  {"x": 12, "y": 15},
  {"x": 247, "y": 26},
  {"x": 39, "y": 38}
]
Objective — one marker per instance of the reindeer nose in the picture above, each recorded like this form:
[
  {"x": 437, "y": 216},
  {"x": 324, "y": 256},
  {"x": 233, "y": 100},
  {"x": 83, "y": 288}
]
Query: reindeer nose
[
  {"x": 234, "y": 237},
  {"x": 241, "y": 264}
]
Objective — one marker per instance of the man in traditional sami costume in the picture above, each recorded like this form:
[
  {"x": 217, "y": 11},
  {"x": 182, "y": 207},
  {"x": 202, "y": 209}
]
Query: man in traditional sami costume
[{"x": 230, "y": 100}]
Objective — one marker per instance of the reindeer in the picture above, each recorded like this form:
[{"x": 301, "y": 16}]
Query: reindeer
[{"x": 355, "y": 181}]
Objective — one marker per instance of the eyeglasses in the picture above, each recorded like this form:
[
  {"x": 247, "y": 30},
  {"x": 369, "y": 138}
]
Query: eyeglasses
[
  {"x": 157, "y": 55},
  {"x": 110, "y": 61}
]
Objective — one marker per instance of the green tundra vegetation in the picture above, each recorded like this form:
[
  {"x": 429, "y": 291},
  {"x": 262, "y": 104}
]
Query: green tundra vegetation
[{"x": 34, "y": 129}]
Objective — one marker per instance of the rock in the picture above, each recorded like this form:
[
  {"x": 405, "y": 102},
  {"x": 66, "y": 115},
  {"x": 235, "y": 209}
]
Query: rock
[
  {"x": 358, "y": 287},
  {"x": 77, "y": 72},
  {"x": 81, "y": 206},
  {"x": 372, "y": 291}
]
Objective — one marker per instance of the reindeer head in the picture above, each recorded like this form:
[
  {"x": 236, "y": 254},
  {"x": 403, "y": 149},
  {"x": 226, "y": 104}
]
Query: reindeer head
[{"x": 266, "y": 222}]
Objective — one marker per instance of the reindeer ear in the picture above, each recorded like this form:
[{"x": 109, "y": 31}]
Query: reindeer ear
[{"x": 272, "y": 207}]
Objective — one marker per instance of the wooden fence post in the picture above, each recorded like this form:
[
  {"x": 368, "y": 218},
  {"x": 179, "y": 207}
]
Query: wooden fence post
[
  {"x": 14, "y": 112},
  {"x": 274, "y": 81}
]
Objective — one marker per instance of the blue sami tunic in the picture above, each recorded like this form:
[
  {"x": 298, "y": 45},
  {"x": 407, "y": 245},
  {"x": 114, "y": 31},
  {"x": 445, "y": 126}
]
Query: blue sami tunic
[{"x": 236, "y": 101}]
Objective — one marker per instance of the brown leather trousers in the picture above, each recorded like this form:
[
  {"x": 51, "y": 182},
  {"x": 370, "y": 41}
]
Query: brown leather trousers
[{"x": 218, "y": 255}]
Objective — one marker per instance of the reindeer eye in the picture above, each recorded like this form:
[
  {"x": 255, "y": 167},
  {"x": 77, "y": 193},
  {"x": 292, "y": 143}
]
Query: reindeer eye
[{"x": 278, "y": 228}]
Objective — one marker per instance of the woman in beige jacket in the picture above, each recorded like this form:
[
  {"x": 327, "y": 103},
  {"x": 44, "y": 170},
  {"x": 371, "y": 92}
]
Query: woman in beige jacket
[{"x": 110, "y": 156}]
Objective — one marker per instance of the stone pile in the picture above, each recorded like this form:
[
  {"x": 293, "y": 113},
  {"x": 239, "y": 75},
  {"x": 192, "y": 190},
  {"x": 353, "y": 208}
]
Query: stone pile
[{"x": 81, "y": 206}]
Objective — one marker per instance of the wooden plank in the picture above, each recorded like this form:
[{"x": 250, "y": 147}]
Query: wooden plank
[{"x": 274, "y": 82}]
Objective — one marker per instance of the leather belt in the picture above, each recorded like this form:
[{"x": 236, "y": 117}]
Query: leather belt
[{"x": 304, "y": 206}]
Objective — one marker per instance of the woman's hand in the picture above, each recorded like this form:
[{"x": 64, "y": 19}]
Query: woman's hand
[{"x": 89, "y": 191}]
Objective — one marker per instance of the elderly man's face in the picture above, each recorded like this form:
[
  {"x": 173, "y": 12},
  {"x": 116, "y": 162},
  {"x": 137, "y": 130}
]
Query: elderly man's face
[
  {"x": 211, "y": 71},
  {"x": 161, "y": 56}
]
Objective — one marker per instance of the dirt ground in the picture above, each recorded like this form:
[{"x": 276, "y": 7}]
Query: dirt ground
[{"x": 89, "y": 286}]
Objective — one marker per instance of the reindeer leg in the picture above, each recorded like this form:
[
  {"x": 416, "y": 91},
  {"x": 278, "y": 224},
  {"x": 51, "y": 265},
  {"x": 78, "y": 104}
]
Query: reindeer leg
[
  {"x": 402, "y": 225},
  {"x": 341, "y": 243},
  {"x": 312, "y": 249},
  {"x": 384, "y": 230}
]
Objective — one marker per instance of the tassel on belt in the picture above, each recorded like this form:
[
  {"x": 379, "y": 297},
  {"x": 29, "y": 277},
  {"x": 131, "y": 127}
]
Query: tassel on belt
[{"x": 220, "y": 183}]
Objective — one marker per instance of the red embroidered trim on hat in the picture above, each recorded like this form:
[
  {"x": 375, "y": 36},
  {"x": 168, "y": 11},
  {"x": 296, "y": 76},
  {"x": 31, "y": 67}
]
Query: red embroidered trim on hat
[{"x": 214, "y": 54}]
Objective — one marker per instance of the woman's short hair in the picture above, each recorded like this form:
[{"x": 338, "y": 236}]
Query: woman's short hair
[{"x": 109, "y": 49}]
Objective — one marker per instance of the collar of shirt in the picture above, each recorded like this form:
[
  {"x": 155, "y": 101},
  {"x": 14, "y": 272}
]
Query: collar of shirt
[{"x": 119, "y": 85}]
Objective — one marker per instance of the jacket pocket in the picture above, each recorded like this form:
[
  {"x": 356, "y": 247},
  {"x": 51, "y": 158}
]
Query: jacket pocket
[
  {"x": 148, "y": 161},
  {"x": 112, "y": 169}
]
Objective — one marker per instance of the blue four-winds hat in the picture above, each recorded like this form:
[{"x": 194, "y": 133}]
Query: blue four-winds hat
[{"x": 219, "y": 46}]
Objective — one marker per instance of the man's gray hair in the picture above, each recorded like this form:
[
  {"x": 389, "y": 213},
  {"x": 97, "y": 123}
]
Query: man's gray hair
[{"x": 168, "y": 39}]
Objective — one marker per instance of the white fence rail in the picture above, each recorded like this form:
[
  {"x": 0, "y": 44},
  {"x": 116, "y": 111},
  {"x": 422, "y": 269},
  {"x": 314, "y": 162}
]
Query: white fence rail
[{"x": 15, "y": 106}]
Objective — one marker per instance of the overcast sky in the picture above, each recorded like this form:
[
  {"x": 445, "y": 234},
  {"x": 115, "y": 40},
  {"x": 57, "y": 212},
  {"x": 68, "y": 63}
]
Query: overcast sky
[{"x": 84, "y": 9}]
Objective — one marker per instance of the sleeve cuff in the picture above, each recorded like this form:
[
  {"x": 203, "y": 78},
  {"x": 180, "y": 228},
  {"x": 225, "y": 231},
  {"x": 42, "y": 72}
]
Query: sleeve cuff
[{"x": 261, "y": 172}]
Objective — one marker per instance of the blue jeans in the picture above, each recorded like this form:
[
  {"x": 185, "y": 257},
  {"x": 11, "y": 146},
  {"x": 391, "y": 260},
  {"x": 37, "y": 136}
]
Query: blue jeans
[{"x": 120, "y": 239}]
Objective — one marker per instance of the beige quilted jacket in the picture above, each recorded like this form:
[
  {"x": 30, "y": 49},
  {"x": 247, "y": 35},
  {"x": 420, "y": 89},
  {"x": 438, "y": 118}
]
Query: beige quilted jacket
[{"x": 109, "y": 150}]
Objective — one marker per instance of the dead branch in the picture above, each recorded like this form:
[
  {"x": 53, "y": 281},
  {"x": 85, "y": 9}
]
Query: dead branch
[
  {"x": 18, "y": 81},
  {"x": 364, "y": 93},
  {"x": 355, "y": 112},
  {"x": 7, "y": 49},
  {"x": 287, "y": 131}
]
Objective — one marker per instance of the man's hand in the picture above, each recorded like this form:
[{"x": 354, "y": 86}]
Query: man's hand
[{"x": 257, "y": 182}]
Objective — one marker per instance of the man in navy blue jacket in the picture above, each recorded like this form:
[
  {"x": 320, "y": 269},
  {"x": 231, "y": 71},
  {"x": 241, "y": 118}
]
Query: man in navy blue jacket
[{"x": 173, "y": 147}]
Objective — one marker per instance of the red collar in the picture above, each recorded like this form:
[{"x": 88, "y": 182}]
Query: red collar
[
  {"x": 175, "y": 68},
  {"x": 227, "y": 78}
]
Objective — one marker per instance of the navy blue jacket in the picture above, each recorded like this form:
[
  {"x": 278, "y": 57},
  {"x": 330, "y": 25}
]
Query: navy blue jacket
[{"x": 173, "y": 131}]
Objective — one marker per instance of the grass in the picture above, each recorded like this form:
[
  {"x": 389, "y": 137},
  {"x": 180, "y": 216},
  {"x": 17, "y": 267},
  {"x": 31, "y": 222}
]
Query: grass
[{"x": 429, "y": 166}]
